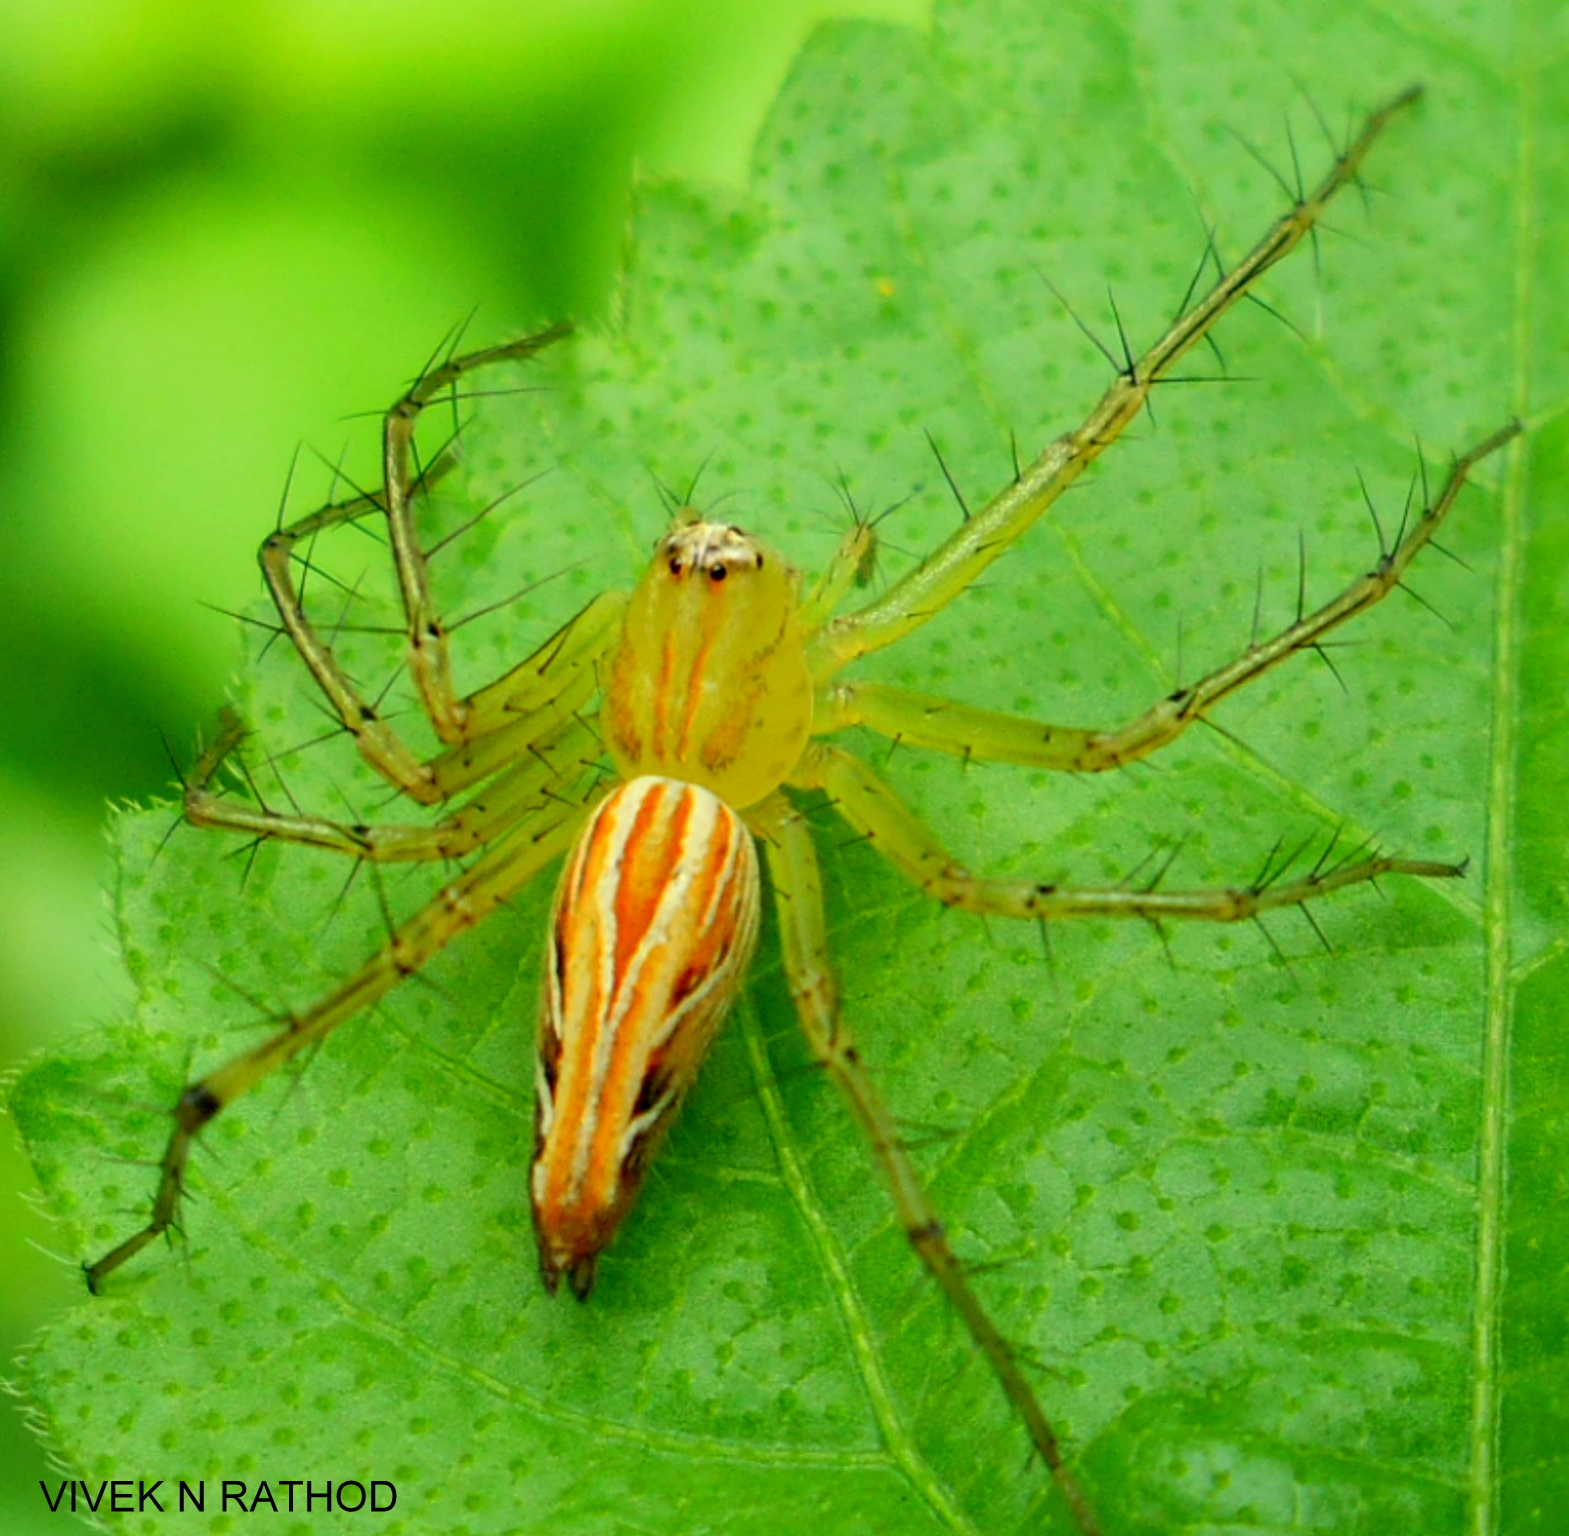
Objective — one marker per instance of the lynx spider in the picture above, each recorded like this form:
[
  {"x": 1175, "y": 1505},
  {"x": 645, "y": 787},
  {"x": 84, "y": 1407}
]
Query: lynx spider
[{"x": 516, "y": 812}]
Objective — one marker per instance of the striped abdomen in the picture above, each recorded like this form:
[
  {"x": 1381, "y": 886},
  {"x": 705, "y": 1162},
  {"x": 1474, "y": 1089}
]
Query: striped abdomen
[{"x": 654, "y": 922}]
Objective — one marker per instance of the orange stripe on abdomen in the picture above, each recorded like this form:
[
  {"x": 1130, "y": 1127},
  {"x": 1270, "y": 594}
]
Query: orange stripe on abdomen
[{"x": 655, "y": 920}]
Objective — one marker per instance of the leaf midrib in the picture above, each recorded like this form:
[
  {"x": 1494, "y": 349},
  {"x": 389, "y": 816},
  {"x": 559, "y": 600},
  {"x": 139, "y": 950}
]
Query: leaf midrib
[{"x": 1483, "y": 1494}]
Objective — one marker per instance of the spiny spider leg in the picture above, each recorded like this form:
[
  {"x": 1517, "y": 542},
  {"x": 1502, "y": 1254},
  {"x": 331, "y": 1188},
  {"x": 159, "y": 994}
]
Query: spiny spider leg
[
  {"x": 556, "y": 755},
  {"x": 535, "y": 737},
  {"x": 429, "y": 660},
  {"x": 944, "y": 574},
  {"x": 561, "y": 675},
  {"x": 380, "y": 745},
  {"x": 877, "y": 813},
  {"x": 514, "y": 861},
  {"x": 844, "y": 572},
  {"x": 803, "y": 935},
  {"x": 924, "y": 720}
]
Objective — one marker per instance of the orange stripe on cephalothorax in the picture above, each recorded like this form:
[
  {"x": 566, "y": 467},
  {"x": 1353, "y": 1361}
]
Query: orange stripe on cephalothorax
[
  {"x": 656, "y": 917},
  {"x": 713, "y": 620},
  {"x": 662, "y": 696}
]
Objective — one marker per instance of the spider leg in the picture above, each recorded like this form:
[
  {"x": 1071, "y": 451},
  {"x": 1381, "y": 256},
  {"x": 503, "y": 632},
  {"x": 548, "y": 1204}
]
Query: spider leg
[
  {"x": 845, "y": 571},
  {"x": 459, "y": 906},
  {"x": 951, "y": 568},
  {"x": 872, "y": 808},
  {"x": 556, "y": 681},
  {"x": 553, "y": 759},
  {"x": 797, "y": 884},
  {"x": 429, "y": 662},
  {"x": 922, "y": 720}
]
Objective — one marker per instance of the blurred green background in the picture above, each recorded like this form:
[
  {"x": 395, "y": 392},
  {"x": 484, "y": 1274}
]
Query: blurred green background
[{"x": 225, "y": 225}]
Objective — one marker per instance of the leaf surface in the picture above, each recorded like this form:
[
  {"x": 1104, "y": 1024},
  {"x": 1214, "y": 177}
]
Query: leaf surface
[{"x": 1280, "y": 1238}]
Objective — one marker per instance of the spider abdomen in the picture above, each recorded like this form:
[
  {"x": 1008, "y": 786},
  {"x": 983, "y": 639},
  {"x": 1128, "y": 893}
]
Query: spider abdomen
[
  {"x": 710, "y": 681},
  {"x": 654, "y": 922}
]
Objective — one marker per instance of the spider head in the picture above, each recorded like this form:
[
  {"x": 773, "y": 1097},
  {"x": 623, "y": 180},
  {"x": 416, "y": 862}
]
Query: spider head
[
  {"x": 710, "y": 684},
  {"x": 703, "y": 551}
]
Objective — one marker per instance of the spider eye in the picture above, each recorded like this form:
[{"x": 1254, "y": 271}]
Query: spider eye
[
  {"x": 717, "y": 572},
  {"x": 675, "y": 565}
]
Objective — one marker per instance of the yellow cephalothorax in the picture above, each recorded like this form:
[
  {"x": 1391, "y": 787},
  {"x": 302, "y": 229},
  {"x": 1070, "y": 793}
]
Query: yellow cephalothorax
[{"x": 710, "y": 683}]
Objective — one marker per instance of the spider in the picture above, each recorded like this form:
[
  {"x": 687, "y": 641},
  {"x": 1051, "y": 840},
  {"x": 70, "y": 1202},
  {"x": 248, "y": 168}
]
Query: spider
[{"x": 714, "y": 689}]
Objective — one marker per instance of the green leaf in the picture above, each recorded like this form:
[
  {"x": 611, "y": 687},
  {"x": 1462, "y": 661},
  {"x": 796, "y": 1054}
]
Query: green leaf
[{"x": 1280, "y": 1238}]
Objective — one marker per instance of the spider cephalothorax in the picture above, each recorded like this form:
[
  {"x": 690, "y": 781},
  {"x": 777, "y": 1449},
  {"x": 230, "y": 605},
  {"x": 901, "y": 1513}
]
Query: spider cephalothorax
[{"x": 709, "y": 681}]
